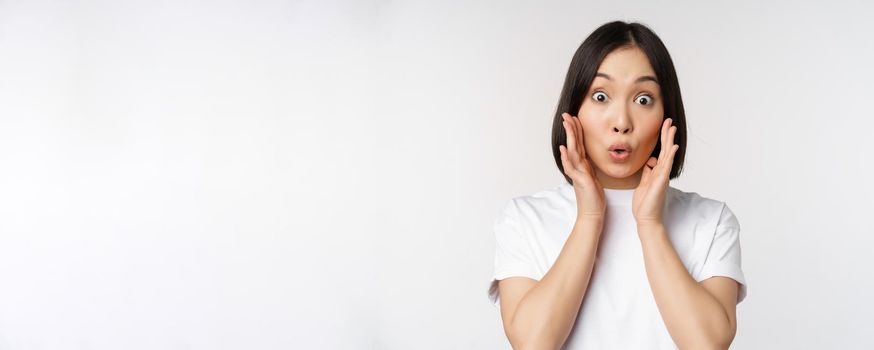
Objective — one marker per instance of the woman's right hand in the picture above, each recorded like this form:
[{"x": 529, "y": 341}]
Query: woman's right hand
[{"x": 577, "y": 166}]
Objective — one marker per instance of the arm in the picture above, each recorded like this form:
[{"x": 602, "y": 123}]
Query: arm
[
  {"x": 540, "y": 315},
  {"x": 698, "y": 316}
]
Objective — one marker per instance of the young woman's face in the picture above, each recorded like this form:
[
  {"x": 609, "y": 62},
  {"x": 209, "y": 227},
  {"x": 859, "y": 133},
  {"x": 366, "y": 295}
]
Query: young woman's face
[{"x": 623, "y": 106}]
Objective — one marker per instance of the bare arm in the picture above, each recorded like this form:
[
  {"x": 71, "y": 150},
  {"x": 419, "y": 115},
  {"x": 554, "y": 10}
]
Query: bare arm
[
  {"x": 698, "y": 316},
  {"x": 540, "y": 315}
]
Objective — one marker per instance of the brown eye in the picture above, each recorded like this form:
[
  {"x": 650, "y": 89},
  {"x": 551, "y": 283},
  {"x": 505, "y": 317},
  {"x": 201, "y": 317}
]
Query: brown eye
[
  {"x": 599, "y": 96},
  {"x": 644, "y": 100}
]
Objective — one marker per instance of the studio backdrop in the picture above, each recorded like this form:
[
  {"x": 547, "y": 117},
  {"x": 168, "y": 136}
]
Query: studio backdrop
[{"x": 325, "y": 174}]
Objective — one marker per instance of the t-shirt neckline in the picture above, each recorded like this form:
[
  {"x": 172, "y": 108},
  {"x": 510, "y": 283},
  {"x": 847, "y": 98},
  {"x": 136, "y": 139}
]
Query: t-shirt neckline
[{"x": 611, "y": 195}]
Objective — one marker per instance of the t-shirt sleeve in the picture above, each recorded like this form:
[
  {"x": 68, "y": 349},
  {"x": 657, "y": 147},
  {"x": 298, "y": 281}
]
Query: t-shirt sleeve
[
  {"x": 724, "y": 256},
  {"x": 513, "y": 252}
]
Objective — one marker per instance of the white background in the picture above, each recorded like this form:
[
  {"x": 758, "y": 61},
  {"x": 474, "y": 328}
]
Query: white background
[{"x": 324, "y": 175}]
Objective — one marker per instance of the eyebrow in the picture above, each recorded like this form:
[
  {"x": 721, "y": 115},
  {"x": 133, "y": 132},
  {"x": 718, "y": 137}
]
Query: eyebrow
[{"x": 641, "y": 79}]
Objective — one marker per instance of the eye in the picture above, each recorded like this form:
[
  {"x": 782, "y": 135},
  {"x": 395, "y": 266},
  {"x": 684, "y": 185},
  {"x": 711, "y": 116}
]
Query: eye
[
  {"x": 644, "y": 100},
  {"x": 599, "y": 96}
]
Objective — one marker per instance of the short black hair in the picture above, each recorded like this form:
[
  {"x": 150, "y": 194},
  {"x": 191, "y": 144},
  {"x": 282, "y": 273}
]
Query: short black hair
[{"x": 584, "y": 65}]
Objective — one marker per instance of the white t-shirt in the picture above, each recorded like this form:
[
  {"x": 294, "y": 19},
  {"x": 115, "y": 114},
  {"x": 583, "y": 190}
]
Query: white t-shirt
[{"x": 619, "y": 310}]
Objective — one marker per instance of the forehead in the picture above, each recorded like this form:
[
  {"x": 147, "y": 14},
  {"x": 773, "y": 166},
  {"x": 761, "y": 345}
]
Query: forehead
[{"x": 626, "y": 64}]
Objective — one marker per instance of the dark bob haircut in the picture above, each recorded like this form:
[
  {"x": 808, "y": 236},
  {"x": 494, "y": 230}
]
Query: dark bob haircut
[{"x": 584, "y": 66}]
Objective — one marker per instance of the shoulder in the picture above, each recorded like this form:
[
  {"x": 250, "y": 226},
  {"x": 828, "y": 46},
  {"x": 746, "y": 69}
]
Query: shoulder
[
  {"x": 693, "y": 200},
  {"x": 537, "y": 205},
  {"x": 688, "y": 203}
]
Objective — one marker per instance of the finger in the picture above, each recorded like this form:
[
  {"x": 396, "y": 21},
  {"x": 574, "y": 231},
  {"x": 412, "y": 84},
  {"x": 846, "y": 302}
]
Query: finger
[
  {"x": 565, "y": 162},
  {"x": 571, "y": 140},
  {"x": 581, "y": 143},
  {"x": 652, "y": 168},
  {"x": 664, "y": 136},
  {"x": 666, "y": 145},
  {"x": 672, "y": 130},
  {"x": 573, "y": 124},
  {"x": 571, "y": 145},
  {"x": 669, "y": 148}
]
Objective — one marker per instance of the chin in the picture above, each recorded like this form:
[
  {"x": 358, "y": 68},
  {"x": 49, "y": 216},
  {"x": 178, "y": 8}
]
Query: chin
[{"x": 619, "y": 171}]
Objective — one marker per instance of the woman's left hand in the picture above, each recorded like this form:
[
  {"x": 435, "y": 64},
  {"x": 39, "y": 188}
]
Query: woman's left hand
[{"x": 649, "y": 196}]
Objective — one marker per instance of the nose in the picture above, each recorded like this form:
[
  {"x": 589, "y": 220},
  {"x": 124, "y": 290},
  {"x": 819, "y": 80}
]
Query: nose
[
  {"x": 623, "y": 130},
  {"x": 622, "y": 123}
]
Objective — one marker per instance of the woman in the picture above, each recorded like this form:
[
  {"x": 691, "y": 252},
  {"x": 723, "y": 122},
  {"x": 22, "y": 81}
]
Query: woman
[{"x": 616, "y": 258}]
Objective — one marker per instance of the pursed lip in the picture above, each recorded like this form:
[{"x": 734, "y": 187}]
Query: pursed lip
[{"x": 621, "y": 145}]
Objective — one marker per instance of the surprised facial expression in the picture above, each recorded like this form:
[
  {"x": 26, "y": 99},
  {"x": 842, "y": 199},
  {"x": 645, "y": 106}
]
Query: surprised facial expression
[{"x": 621, "y": 115}]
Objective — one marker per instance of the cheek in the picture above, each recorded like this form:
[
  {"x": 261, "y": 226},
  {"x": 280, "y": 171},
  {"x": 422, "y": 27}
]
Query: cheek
[
  {"x": 590, "y": 138},
  {"x": 652, "y": 131}
]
